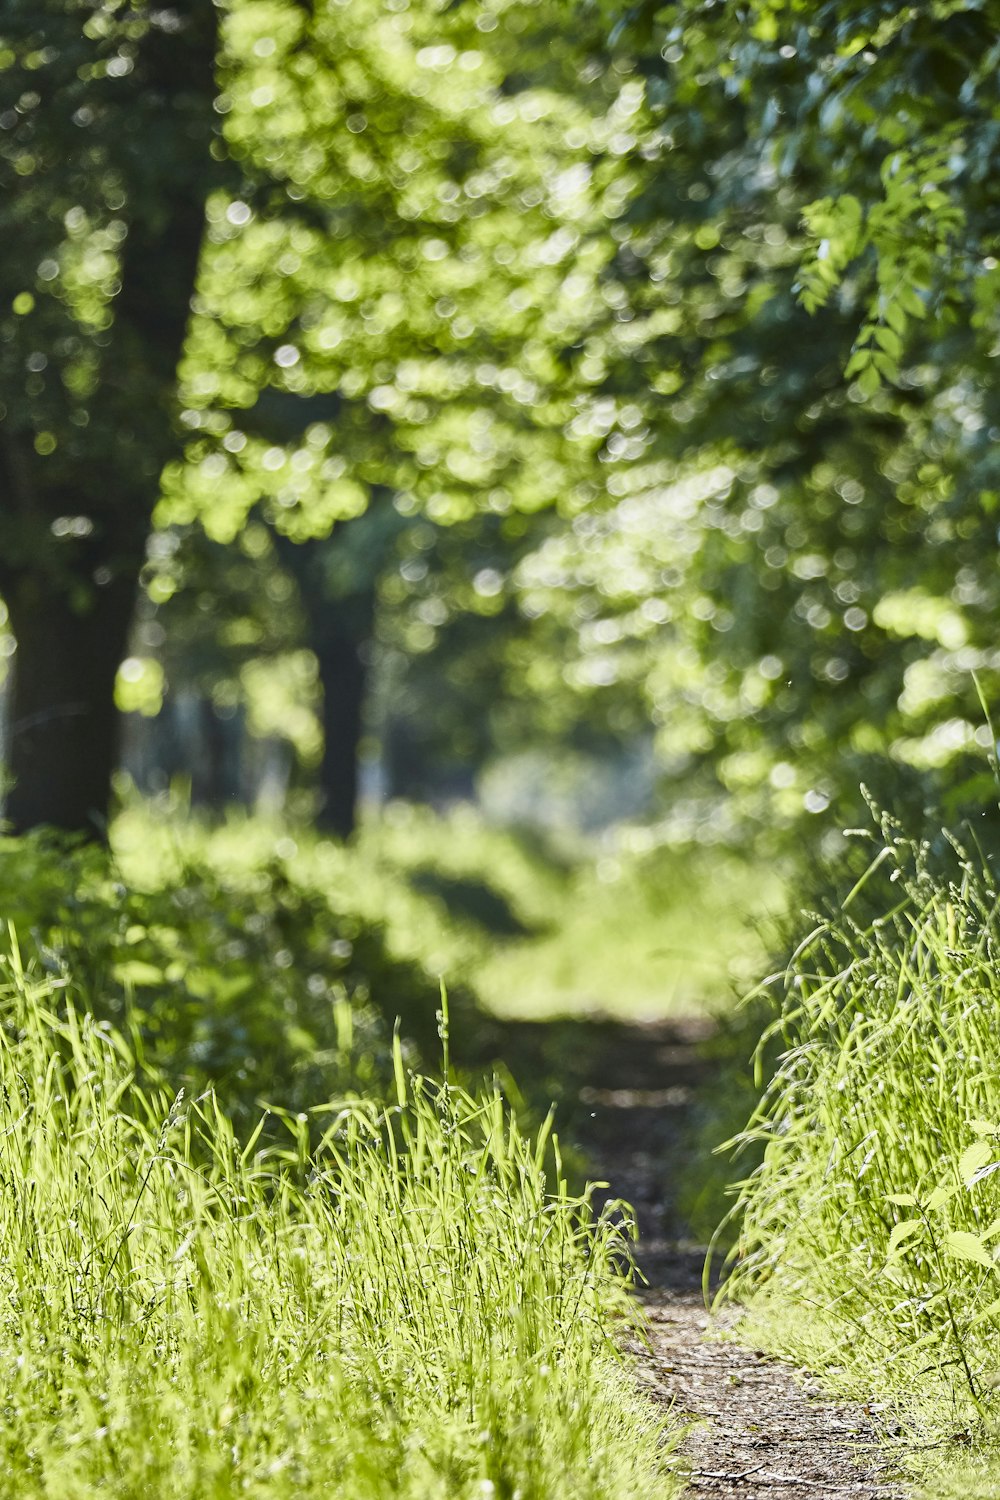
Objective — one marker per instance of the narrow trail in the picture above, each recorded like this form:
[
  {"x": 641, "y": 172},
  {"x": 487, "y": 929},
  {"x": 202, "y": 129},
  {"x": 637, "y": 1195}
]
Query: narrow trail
[{"x": 761, "y": 1430}]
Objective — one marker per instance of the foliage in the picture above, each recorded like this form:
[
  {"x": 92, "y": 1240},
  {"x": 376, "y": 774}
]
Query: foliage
[
  {"x": 273, "y": 964},
  {"x": 251, "y": 974},
  {"x": 381, "y": 884},
  {"x": 713, "y": 282},
  {"x": 876, "y": 1203},
  {"x": 907, "y": 98},
  {"x": 376, "y": 211},
  {"x": 816, "y": 544},
  {"x": 107, "y": 122},
  {"x": 417, "y": 1307},
  {"x": 367, "y": 181},
  {"x": 384, "y": 293}
]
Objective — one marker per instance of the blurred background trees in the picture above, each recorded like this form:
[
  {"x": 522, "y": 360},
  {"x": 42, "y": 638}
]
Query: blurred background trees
[{"x": 617, "y": 392}]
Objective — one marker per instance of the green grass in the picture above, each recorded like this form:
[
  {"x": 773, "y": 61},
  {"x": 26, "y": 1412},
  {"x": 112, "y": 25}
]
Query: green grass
[
  {"x": 395, "y": 1293},
  {"x": 413, "y": 1307},
  {"x": 870, "y": 1232},
  {"x": 647, "y": 935},
  {"x": 538, "y": 929}
]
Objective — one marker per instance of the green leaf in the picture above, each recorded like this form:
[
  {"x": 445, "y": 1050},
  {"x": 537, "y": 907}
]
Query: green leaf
[
  {"x": 965, "y": 1246},
  {"x": 910, "y": 300},
  {"x": 904, "y": 1230},
  {"x": 904, "y": 1200},
  {"x": 889, "y": 340},
  {"x": 869, "y": 381},
  {"x": 895, "y": 316},
  {"x": 976, "y": 1156}
]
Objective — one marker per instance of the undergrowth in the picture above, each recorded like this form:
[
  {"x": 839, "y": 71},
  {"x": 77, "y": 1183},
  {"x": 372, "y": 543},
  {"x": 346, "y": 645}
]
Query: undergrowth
[
  {"x": 534, "y": 926},
  {"x": 238, "y": 958},
  {"x": 415, "y": 1306},
  {"x": 870, "y": 1231}
]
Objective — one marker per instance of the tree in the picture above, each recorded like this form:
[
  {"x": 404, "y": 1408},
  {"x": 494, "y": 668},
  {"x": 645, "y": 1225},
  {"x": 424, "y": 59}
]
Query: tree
[
  {"x": 337, "y": 580},
  {"x": 795, "y": 395},
  {"x": 108, "y": 122},
  {"x": 425, "y": 622},
  {"x": 391, "y": 211}
]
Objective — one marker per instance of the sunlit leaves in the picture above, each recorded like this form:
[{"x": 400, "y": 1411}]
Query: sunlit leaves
[
  {"x": 402, "y": 242},
  {"x": 836, "y": 236},
  {"x": 805, "y": 287},
  {"x": 910, "y": 230}
]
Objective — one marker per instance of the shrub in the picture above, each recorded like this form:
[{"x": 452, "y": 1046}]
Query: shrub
[{"x": 254, "y": 979}]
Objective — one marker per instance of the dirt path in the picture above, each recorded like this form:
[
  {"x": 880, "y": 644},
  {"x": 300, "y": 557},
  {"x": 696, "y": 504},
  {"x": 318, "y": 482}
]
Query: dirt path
[{"x": 761, "y": 1429}]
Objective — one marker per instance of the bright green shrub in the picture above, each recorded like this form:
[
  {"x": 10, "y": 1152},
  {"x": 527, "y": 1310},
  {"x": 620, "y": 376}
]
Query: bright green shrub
[{"x": 232, "y": 977}]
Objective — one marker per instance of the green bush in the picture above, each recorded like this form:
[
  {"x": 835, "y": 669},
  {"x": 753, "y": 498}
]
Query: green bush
[{"x": 253, "y": 976}]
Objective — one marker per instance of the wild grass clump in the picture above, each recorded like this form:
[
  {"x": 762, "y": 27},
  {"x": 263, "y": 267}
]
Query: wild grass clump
[
  {"x": 875, "y": 1213},
  {"x": 412, "y": 1308}
]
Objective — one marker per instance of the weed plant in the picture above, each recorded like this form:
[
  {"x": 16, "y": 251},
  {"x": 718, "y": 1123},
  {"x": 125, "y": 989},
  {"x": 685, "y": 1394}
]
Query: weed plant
[
  {"x": 413, "y": 1308},
  {"x": 876, "y": 1206}
]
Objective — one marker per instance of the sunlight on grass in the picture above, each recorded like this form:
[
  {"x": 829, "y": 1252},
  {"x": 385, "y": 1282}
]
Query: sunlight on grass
[
  {"x": 668, "y": 933},
  {"x": 871, "y": 1231},
  {"x": 633, "y": 931},
  {"x": 538, "y": 928},
  {"x": 415, "y": 1306}
]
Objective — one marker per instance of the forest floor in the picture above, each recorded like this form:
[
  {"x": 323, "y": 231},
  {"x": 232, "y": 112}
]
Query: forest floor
[{"x": 760, "y": 1429}]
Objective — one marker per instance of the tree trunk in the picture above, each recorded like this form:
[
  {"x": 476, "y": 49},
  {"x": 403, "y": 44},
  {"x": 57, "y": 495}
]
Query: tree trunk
[
  {"x": 343, "y": 675},
  {"x": 338, "y": 593},
  {"x": 76, "y": 501},
  {"x": 63, "y": 722}
]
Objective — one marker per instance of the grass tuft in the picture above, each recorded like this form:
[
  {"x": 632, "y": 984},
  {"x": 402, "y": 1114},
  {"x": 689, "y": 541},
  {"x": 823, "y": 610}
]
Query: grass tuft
[
  {"x": 875, "y": 1212},
  {"x": 414, "y": 1307}
]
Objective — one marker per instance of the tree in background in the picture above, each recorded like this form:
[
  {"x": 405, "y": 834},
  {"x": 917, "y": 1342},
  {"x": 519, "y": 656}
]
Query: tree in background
[
  {"x": 731, "y": 271},
  {"x": 239, "y": 647},
  {"x": 791, "y": 383},
  {"x": 427, "y": 312}
]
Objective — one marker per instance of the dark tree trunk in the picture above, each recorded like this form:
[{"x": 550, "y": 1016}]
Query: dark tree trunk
[
  {"x": 63, "y": 723},
  {"x": 343, "y": 675},
  {"x": 215, "y": 778},
  {"x": 75, "y": 511},
  {"x": 338, "y": 593}
]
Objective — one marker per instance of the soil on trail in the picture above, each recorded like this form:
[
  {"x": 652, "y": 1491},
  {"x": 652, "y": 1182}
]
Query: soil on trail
[{"x": 760, "y": 1429}]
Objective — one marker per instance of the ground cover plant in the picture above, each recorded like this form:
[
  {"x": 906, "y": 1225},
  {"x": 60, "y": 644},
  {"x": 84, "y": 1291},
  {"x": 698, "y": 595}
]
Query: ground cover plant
[
  {"x": 535, "y": 924},
  {"x": 870, "y": 1232},
  {"x": 415, "y": 1306},
  {"x": 241, "y": 964}
]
